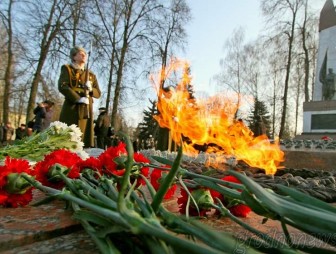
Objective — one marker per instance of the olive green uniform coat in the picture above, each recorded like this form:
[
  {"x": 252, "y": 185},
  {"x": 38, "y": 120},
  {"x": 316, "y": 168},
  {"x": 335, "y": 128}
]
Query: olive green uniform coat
[{"x": 71, "y": 85}]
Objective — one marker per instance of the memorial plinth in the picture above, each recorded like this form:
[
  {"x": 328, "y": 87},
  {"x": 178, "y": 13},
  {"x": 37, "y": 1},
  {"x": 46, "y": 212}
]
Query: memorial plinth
[
  {"x": 319, "y": 115},
  {"x": 319, "y": 119}
]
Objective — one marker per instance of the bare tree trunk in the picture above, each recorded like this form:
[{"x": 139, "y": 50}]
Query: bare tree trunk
[
  {"x": 112, "y": 40},
  {"x": 285, "y": 96},
  {"x": 9, "y": 66},
  {"x": 50, "y": 32},
  {"x": 306, "y": 54},
  {"x": 120, "y": 68},
  {"x": 288, "y": 69}
]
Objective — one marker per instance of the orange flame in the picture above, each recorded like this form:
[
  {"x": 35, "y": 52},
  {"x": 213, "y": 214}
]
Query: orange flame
[{"x": 212, "y": 122}]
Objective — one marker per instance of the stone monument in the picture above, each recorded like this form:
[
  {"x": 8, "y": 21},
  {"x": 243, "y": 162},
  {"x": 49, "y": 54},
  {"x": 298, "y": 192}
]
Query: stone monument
[{"x": 319, "y": 115}]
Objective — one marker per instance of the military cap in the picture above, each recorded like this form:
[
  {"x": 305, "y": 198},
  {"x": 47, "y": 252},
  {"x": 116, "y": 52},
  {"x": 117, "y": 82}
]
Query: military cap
[
  {"x": 75, "y": 50},
  {"x": 49, "y": 102}
]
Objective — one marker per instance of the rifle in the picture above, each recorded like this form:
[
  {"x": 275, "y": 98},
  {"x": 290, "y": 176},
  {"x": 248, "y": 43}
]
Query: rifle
[
  {"x": 87, "y": 73},
  {"x": 87, "y": 79}
]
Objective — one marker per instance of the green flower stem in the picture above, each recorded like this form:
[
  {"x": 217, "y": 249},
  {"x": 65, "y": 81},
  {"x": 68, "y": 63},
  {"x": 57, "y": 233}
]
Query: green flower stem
[
  {"x": 290, "y": 210},
  {"x": 214, "y": 180},
  {"x": 115, "y": 216},
  {"x": 126, "y": 177},
  {"x": 156, "y": 246},
  {"x": 111, "y": 191},
  {"x": 145, "y": 209},
  {"x": 286, "y": 233},
  {"x": 96, "y": 196},
  {"x": 168, "y": 181},
  {"x": 190, "y": 197},
  {"x": 104, "y": 245},
  {"x": 257, "y": 207},
  {"x": 210, "y": 237},
  {"x": 231, "y": 193},
  {"x": 179, "y": 243},
  {"x": 271, "y": 241},
  {"x": 307, "y": 200}
]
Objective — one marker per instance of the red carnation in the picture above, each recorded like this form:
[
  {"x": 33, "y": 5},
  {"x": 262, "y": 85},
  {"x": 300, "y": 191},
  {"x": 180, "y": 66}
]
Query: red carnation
[
  {"x": 14, "y": 166},
  {"x": 91, "y": 163},
  {"x": 182, "y": 202},
  {"x": 60, "y": 157},
  {"x": 215, "y": 195},
  {"x": 108, "y": 156},
  {"x": 139, "y": 157},
  {"x": 156, "y": 179},
  {"x": 240, "y": 210},
  {"x": 16, "y": 200},
  {"x": 231, "y": 179}
]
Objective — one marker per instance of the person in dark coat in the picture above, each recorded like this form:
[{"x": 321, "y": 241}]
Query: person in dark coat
[
  {"x": 49, "y": 113},
  {"x": 102, "y": 128},
  {"x": 7, "y": 133},
  {"x": 40, "y": 113},
  {"x": 79, "y": 86},
  {"x": 43, "y": 115},
  {"x": 20, "y": 132}
]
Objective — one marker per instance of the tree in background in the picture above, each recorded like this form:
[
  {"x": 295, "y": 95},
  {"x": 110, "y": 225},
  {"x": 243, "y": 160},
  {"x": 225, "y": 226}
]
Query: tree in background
[
  {"x": 149, "y": 127},
  {"x": 153, "y": 39},
  {"x": 7, "y": 22},
  {"x": 275, "y": 11},
  {"x": 259, "y": 109},
  {"x": 233, "y": 65},
  {"x": 269, "y": 66}
]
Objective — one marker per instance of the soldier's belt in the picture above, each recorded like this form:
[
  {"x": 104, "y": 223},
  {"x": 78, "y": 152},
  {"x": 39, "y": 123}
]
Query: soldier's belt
[{"x": 78, "y": 90}]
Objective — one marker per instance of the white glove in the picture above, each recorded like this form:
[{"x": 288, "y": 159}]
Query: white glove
[
  {"x": 84, "y": 100},
  {"x": 88, "y": 85}
]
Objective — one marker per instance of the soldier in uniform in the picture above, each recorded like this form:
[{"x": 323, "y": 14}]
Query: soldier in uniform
[
  {"x": 79, "y": 86},
  {"x": 101, "y": 128}
]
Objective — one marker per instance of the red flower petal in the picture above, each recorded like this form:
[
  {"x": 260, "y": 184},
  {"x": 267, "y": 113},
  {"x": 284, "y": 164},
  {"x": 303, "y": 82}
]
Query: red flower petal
[
  {"x": 231, "y": 179},
  {"x": 16, "y": 200},
  {"x": 91, "y": 163},
  {"x": 63, "y": 157},
  {"x": 108, "y": 156},
  {"x": 156, "y": 177},
  {"x": 182, "y": 202},
  {"x": 240, "y": 210},
  {"x": 12, "y": 165}
]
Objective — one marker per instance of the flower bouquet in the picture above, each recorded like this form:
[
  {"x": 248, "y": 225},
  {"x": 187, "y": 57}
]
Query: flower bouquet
[
  {"x": 57, "y": 136},
  {"x": 108, "y": 196}
]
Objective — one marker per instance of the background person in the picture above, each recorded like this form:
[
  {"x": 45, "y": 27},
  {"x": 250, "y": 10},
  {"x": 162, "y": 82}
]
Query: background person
[
  {"x": 43, "y": 115},
  {"x": 49, "y": 112},
  {"x": 78, "y": 89},
  {"x": 39, "y": 112},
  {"x": 102, "y": 128},
  {"x": 20, "y": 132},
  {"x": 7, "y": 133}
]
